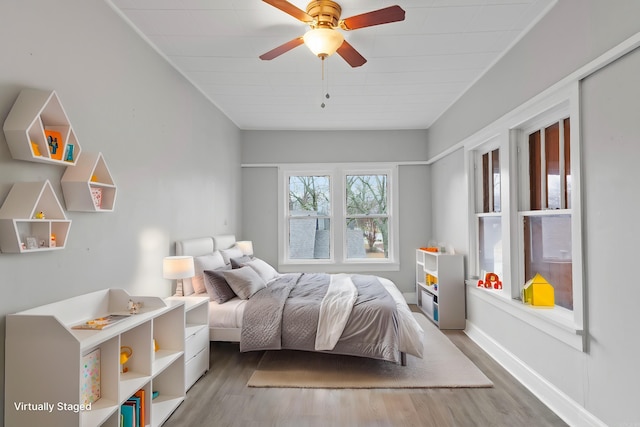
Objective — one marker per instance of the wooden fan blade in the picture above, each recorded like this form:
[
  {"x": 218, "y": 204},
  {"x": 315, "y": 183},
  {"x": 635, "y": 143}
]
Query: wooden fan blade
[
  {"x": 376, "y": 17},
  {"x": 349, "y": 54},
  {"x": 290, "y": 9},
  {"x": 284, "y": 48}
]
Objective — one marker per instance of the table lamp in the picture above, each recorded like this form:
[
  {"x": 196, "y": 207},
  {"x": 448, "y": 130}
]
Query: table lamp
[
  {"x": 246, "y": 246},
  {"x": 179, "y": 268}
]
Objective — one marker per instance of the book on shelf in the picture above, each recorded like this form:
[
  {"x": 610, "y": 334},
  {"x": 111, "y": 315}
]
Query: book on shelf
[
  {"x": 140, "y": 395},
  {"x": 135, "y": 402},
  {"x": 129, "y": 412},
  {"x": 90, "y": 373},
  {"x": 96, "y": 195},
  {"x": 100, "y": 323}
]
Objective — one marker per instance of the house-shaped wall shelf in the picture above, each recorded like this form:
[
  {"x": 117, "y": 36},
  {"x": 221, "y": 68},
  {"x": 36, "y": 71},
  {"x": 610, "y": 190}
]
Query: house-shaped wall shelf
[
  {"x": 88, "y": 186},
  {"x": 32, "y": 219},
  {"x": 37, "y": 129}
]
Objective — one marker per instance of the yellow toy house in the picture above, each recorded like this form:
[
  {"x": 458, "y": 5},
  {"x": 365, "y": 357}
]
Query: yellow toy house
[{"x": 538, "y": 292}]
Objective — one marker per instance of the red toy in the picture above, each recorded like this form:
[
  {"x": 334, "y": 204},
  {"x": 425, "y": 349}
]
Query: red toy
[{"x": 491, "y": 280}]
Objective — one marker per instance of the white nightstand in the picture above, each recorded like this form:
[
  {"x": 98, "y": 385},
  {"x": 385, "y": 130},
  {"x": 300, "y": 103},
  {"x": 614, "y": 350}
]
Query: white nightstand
[{"x": 196, "y": 335}]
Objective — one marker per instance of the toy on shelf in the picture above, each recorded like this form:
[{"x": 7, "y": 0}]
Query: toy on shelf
[
  {"x": 537, "y": 291},
  {"x": 491, "y": 281},
  {"x": 125, "y": 354},
  {"x": 35, "y": 149},
  {"x": 134, "y": 307}
]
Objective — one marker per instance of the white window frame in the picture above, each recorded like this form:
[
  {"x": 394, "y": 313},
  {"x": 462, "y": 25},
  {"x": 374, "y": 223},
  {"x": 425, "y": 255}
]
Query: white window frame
[
  {"x": 338, "y": 260},
  {"x": 508, "y": 133},
  {"x": 477, "y": 183}
]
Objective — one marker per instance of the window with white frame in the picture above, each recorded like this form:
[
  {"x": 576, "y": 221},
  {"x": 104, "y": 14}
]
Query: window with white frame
[
  {"x": 488, "y": 216},
  {"x": 526, "y": 216},
  {"x": 544, "y": 212},
  {"x": 342, "y": 214}
]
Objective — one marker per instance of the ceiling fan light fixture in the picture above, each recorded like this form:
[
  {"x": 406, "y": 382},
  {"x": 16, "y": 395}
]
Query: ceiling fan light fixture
[{"x": 323, "y": 42}]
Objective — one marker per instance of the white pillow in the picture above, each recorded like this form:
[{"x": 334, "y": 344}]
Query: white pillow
[
  {"x": 264, "y": 270},
  {"x": 202, "y": 263},
  {"x": 244, "y": 281},
  {"x": 233, "y": 252}
]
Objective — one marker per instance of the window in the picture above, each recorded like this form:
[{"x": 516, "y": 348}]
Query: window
[
  {"x": 546, "y": 212},
  {"x": 309, "y": 216},
  {"x": 338, "y": 215},
  {"x": 367, "y": 216},
  {"x": 525, "y": 213},
  {"x": 488, "y": 213}
]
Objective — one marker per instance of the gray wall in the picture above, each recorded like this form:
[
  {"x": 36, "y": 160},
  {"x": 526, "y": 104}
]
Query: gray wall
[
  {"x": 174, "y": 157},
  {"x": 260, "y": 184},
  {"x": 602, "y": 379}
]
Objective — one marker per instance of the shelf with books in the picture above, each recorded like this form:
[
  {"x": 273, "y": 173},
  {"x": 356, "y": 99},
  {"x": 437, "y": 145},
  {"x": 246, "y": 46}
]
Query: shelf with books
[
  {"x": 440, "y": 288},
  {"x": 67, "y": 372}
]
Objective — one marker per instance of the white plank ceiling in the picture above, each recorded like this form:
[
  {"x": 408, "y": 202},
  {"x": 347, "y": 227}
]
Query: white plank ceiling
[{"x": 416, "y": 68}]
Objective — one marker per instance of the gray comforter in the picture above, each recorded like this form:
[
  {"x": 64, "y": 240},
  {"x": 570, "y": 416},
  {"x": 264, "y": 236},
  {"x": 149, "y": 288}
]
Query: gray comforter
[{"x": 285, "y": 314}]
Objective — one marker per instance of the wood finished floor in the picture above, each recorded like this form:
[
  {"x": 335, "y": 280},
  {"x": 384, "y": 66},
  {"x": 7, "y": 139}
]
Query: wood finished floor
[{"x": 222, "y": 398}]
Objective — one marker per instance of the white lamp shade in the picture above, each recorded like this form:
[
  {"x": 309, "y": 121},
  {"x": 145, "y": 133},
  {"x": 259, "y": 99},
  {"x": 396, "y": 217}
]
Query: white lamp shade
[
  {"x": 246, "y": 246},
  {"x": 178, "y": 267},
  {"x": 323, "y": 41}
]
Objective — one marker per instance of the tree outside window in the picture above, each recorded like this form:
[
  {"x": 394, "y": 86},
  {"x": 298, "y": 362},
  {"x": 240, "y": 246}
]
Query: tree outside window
[{"x": 366, "y": 206}]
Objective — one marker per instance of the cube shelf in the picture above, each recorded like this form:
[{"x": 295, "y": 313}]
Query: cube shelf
[
  {"x": 36, "y": 115},
  {"x": 42, "y": 348},
  {"x": 88, "y": 186},
  {"x": 440, "y": 288},
  {"x": 32, "y": 219}
]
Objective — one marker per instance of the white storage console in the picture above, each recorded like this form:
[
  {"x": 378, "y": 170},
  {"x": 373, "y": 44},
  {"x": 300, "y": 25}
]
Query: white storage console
[
  {"x": 45, "y": 359},
  {"x": 440, "y": 288},
  {"x": 196, "y": 345}
]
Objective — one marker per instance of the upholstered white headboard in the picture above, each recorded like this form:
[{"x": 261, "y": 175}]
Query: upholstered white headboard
[
  {"x": 199, "y": 246},
  {"x": 204, "y": 245}
]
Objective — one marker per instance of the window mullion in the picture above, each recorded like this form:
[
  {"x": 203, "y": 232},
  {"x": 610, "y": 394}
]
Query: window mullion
[
  {"x": 561, "y": 165},
  {"x": 490, "y": 180},
  {"x": 544, "y": 202}
]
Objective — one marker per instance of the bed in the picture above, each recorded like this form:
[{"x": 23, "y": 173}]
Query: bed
[{"x": 335, "y": 308}]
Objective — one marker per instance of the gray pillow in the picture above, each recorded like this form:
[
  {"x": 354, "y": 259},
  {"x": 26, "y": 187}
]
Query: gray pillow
[
  {"x": 217, "y": 286},
  {"x": 244, "y": 281},
  {"x": 200, "y": 264},
  {"x": 239, "y": 262}
]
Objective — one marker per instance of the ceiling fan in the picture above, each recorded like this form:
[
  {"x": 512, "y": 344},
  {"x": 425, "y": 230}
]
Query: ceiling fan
[{"x": 324, "y": 38}]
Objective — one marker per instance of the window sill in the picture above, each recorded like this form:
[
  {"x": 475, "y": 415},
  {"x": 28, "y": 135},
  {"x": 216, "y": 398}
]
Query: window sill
[
  {"x": 332, "y": 267},
  {"x": 556, "y": 322}
]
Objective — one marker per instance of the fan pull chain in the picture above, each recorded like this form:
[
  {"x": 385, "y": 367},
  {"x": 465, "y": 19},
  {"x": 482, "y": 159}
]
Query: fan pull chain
[{"x": 324, "y": 92}]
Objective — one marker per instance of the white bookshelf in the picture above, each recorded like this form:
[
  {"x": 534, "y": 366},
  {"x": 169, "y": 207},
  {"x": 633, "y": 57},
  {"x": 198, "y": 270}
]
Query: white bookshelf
[
  {"x": 34, "y": 112},
  {"x": 82, "y": 183},
  {"x": 441, "y": 297},
  {"x": 44, "y": 354},
  {"x": 19, "y": 219}
]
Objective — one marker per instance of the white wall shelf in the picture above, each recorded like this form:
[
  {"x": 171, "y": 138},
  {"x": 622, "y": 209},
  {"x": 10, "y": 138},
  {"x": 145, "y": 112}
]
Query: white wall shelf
[
  {"x": 441, "y": 297},
  {"x": 88, "y": 186},
  {"x": 19, "y": 219},
  {"x": 44, "y": 354},
  {"x": 34, "y": 112}
]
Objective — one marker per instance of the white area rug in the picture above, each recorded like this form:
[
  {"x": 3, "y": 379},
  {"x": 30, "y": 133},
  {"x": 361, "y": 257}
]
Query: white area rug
[{"x": 443, "y": 366}]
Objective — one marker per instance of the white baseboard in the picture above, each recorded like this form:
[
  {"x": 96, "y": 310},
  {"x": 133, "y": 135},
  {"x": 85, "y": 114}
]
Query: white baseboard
[{"x": 566, "y": 408}]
